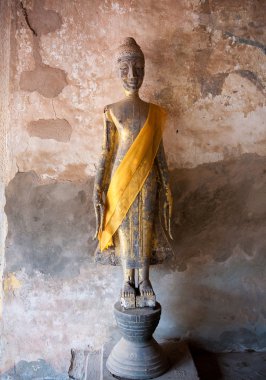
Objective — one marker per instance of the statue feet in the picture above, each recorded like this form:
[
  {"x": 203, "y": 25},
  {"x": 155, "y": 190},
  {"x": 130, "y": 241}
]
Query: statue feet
[
  {"x": 146, "y": 297},
  {"x": 132, "y": 298},
  {"x": 145, "y": 288},
  {"x": 128, "y": 295}
]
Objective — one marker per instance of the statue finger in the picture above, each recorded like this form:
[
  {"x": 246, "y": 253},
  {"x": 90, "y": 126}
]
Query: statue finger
[
  {"x": 165, "y": 216},
  {"x": 170, "y": 230},
  {"x": 95, "y": 235},
  {"x": 168, "y": 221},
  {"x": 101, "y": 216}
]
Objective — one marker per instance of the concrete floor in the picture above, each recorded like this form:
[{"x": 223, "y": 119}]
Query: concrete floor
[{"x": 231, "y": 366}]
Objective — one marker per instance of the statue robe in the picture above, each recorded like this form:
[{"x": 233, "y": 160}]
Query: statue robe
[{"x": 132, "y": 200}]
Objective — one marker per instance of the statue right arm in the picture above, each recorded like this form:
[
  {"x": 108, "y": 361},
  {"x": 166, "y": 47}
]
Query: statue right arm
[
  {"x": 165, "y": 188},
  {"x": 103, "y": 174}
]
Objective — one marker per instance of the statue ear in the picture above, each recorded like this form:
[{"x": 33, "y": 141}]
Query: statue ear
[{"x": 117, "y": 71}]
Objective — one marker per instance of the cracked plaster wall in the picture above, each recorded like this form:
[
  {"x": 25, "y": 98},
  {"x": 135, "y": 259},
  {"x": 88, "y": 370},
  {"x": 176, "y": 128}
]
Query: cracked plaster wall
[
  {"x": 5, "y": 18},
  {"x": 206, "y": 66}
]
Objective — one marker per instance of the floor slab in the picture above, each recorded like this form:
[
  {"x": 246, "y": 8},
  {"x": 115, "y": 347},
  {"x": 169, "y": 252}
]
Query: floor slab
[{"x": 231, "y": 365}]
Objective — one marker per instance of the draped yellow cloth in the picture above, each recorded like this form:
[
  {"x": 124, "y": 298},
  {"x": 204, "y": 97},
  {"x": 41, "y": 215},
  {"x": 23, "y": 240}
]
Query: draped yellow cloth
[{"x": 131, "y": 174}]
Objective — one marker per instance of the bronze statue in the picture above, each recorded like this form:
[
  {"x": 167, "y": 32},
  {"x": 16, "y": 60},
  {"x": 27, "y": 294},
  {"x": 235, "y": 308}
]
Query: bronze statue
[{"x": 131, "y": 181}]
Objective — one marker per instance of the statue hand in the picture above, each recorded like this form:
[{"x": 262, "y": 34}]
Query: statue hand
[{"x": 167, "y": 212}]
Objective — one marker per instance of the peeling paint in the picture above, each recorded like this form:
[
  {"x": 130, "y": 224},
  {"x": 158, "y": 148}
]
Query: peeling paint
[
  {"x": 40, "y": 20},
  {"x": 201, "y": 66},
  {"x": 219, "y": 229},
  {"x": 48, "y": 81},
  {"x": 56, "y": 129},
  {"x": 246, "y": 41}
]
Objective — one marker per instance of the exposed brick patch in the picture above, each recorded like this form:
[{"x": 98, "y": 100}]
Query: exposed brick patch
[{"x": 56, "y": 129}]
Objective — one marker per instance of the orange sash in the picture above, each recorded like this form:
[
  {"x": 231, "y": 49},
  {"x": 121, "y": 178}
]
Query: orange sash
[{"x": 131, "y": 174}]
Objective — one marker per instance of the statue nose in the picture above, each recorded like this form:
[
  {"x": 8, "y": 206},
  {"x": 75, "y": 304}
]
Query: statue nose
[{"x": 131, "y": 72}]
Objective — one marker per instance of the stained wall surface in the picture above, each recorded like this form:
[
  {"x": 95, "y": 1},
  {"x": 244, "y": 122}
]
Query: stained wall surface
[{"x": 205, "y": 64}]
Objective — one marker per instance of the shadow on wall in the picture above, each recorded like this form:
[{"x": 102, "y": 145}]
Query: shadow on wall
[
  {"x": 212, "y": 290},
  {"x": 220, "y": 209},
  {"x": 50, "y": 226}
]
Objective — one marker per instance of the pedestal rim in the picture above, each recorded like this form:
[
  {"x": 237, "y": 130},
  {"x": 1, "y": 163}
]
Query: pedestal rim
[{"x": 134, "y": 311}]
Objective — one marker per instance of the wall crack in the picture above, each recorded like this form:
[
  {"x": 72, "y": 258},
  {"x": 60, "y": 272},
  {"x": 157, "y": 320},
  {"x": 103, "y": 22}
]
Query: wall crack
[{"x": 25, "y": 14}]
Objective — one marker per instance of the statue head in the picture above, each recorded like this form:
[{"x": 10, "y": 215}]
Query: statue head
[{"x": 130, "y": 64}]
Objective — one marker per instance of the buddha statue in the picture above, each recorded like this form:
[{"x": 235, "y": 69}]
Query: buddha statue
[{"x": 132, "y": 197}]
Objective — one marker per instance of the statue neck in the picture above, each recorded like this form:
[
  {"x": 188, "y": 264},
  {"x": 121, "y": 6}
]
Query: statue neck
[{"x": 132, "y": 95}]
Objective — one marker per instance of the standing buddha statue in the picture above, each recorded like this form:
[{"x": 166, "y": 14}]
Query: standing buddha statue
[{"x": 131, "y": 189}]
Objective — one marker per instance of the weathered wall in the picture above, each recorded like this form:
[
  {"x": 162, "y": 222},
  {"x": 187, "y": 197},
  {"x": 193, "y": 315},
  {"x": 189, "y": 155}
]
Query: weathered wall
[
  {"x": 5, "y": 22},
  {"x": 206, "y": 66}
]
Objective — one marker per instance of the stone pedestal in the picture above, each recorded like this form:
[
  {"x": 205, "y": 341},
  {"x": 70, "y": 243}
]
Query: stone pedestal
[
  {"x": 91, "y": 365},
  {"x": 137, "y": 355}
]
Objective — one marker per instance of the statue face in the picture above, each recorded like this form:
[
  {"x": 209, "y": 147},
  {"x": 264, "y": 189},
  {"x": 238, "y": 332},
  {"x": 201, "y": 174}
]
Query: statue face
[{"x": 131, "y": 72}]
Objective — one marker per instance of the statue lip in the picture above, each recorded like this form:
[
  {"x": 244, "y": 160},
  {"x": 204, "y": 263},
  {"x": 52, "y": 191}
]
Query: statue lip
[{"x": 133, "y": 83}]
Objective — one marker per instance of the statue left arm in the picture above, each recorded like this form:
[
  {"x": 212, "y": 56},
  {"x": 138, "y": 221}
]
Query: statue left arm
[
  {"x": 165, "y": 188},
  {"x": 102, "y": 177}
]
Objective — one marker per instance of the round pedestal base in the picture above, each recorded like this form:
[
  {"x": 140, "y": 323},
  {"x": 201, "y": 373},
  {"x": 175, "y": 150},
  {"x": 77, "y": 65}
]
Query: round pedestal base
[{"x": 137, "y": 355}]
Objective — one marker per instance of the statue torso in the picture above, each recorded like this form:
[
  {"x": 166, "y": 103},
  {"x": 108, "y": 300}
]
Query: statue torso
[{"x": 129, "y": 116}]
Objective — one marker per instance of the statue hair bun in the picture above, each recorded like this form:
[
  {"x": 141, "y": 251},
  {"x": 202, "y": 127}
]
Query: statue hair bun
[{"x": 129, "y": 48}]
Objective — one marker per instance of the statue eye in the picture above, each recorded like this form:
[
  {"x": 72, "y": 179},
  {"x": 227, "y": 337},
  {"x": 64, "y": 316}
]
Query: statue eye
[{"x": 124, "y": 68}]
